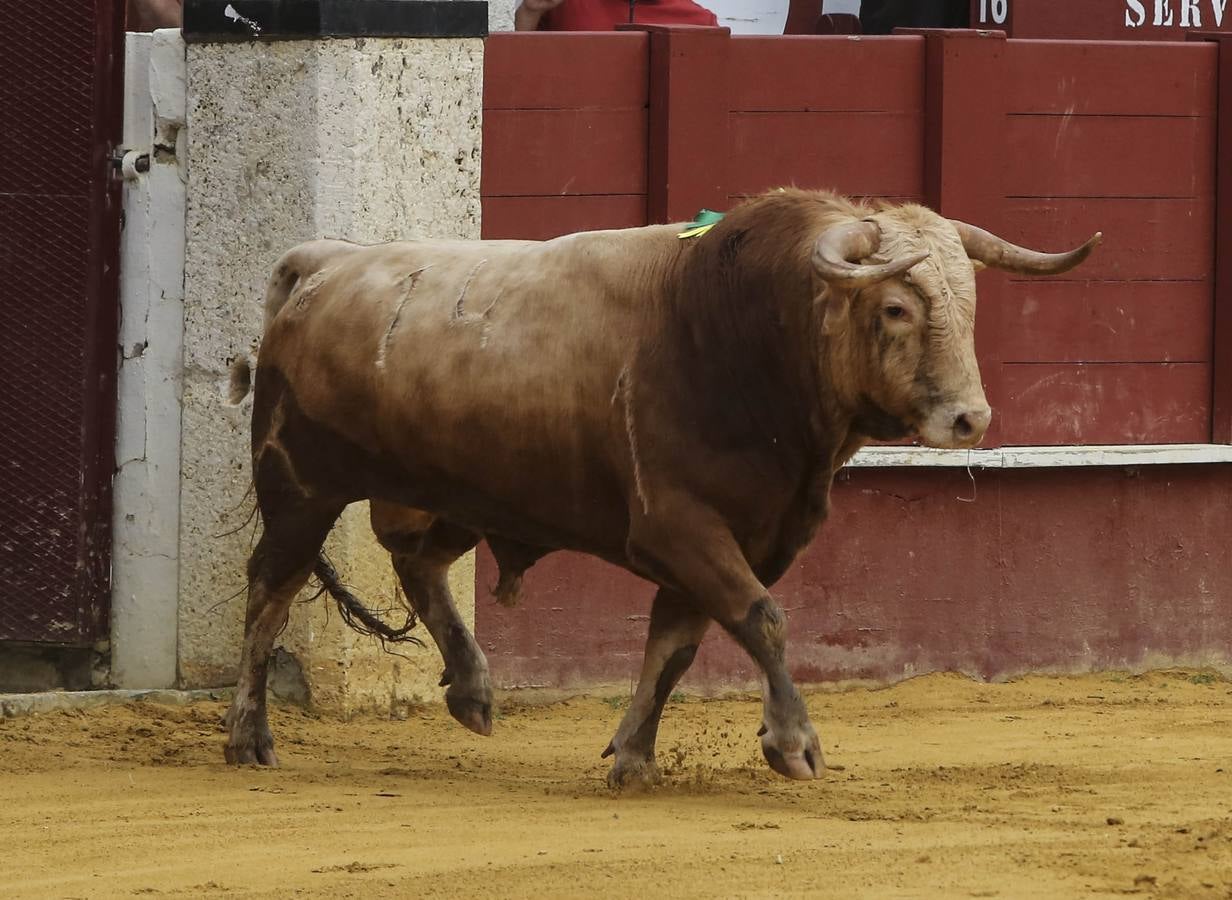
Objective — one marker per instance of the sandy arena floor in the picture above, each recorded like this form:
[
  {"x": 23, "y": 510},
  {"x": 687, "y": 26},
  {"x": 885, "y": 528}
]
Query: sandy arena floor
[{"x": 940, "y": 787}]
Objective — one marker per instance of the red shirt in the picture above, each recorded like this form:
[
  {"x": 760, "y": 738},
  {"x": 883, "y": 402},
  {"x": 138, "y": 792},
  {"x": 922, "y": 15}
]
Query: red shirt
[{"x": 605, "y": 15}]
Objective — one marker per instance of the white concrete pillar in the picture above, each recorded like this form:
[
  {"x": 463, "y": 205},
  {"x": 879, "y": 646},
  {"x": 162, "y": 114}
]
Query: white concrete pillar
[
  {"x": 370, "y": 139},
  {"x": 145, "y": 554}
]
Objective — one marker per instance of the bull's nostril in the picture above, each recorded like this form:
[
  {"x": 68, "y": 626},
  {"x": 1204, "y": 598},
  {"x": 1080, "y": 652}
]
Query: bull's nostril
[{"x": 963, "y": 427}]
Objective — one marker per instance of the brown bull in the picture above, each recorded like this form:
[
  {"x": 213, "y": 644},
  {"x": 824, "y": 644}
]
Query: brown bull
[{"x": 676, "y": 407}]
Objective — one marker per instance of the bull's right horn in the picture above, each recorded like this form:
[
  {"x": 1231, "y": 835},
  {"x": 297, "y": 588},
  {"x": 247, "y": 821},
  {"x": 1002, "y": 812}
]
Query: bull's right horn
[
  {"x": 998, "y": 253},
  {"x": 838, "y": 249}
]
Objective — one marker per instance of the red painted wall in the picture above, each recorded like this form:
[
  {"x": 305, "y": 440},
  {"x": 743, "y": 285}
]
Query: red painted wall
[
  {"x": 805, "y": 111},
  {"x": 1120, "y": 349},
  {"x": 564, "y": 133},
  {"x": 997, "y": 573}
]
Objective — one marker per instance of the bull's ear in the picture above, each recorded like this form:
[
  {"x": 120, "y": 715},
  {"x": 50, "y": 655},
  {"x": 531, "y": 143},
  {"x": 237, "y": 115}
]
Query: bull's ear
[{"x": 836, "y": 306}]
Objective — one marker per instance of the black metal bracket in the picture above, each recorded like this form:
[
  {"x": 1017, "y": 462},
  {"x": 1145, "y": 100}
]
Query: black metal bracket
[{"x": 211, "y": 21}]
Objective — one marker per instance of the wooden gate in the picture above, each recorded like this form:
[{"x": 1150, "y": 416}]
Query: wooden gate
[{"x": 61, "y": 81}]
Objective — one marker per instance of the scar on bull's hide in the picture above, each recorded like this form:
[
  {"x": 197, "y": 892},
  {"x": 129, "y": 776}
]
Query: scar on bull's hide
[
  {"x": 462, "y": 317},
  {"x": 272, "y": 445},
  {"x": 307, "y": 289},
  {"x": 411, "y": 280},
  {"x": 624, "y": 391},
  {"x": 458, "y": 313}
]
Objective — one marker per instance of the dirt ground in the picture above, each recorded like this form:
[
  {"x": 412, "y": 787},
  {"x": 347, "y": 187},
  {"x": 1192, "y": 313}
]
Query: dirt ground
[{"x": 939, "y": 787}]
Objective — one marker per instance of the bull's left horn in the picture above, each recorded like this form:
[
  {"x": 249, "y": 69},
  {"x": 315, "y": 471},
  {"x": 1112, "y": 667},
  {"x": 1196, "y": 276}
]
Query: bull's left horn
[
  {"x": 998, "y": 253},
  {"x": 837, "y": 250}
]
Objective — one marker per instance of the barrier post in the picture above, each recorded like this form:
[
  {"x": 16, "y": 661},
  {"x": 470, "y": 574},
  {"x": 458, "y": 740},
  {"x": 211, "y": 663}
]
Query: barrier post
[
  {"x": 687, "y": 143},
  {"x": 1221, "y": 353}
]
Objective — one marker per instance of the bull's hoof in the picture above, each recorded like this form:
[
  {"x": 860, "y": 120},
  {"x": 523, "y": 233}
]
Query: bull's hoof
[
  {"x": 473, "y": 712},
  {"x": 634, "y": 774},
  {"x": 249, "y": 739},
  {"x": 250, "y": 743},
  {"x": 250, "y": 753},
  {"x": 795, "y": 755}
]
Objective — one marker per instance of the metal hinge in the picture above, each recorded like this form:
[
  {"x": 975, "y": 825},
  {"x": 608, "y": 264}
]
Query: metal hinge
[{"x": 129, "y": 163}]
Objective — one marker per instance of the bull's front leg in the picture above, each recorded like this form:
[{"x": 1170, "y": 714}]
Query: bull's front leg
[
  {"x": 691, "y": 549},
  {"x": 788, "y": 740},
  {"x": 676, "y": 630}
]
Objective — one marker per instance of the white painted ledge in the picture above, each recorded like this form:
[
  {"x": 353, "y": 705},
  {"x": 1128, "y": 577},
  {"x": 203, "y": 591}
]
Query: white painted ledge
[{"x": 1044, "y": 457}]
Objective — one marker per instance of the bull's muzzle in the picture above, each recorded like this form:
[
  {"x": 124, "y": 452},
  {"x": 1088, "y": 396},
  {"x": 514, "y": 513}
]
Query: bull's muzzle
[
  {"x": 970, "y": 425},
  {"x": 956, "y": 426}
]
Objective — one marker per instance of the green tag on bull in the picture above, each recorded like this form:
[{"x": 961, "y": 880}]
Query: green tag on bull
[{"x": 702, "y": 222}]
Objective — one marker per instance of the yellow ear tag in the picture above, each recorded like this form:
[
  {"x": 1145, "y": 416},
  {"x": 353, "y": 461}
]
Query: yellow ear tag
[
  {"x": 702, "y": 222},
  {"x": 696, "y": 232}
]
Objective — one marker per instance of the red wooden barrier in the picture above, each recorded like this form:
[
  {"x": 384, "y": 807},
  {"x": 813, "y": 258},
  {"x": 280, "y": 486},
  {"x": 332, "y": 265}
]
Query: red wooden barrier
[
  {"x": 730, "y": 117},
  {"x": 826, "y": 112},
  {"x": 1118, "y": 351},
  {"x": 564, "y": 143}
]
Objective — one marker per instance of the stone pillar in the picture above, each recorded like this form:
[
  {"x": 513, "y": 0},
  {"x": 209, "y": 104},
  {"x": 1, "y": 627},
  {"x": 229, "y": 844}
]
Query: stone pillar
[
  {"x": 353, "y": 136},
  {"x": 500, "y": 14}
]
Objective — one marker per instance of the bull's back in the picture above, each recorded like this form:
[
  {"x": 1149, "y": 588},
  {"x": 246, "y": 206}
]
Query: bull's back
[{"x": 491, "y": 363}]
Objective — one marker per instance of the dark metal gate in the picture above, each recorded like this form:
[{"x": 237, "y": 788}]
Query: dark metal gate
[{"x": 61, "y": 89}]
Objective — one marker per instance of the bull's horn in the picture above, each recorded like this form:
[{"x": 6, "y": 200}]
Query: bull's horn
[
  {"x": 998, "y": 253},
  {"x": 838, "y": 248}
]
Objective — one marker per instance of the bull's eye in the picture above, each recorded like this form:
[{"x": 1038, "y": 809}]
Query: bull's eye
[{"x": 895, "y": 312}]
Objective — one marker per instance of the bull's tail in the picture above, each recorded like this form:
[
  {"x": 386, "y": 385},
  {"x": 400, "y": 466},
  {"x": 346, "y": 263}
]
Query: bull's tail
[
  {"x": 358, "y": 616},
  {"x": 241, "y": 380},
  {"x": 295, "y": 266}
]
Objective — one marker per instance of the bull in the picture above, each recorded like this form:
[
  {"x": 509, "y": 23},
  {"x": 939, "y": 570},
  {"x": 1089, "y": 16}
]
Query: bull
[{"x": 677, "y": 407}]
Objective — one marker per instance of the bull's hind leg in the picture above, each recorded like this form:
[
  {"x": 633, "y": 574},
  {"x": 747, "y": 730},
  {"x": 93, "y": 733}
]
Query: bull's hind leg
[
  {"x": 280, "y": 565},
  {"x": 676, "y": 630},
  {"x": 423, "y": 549}
]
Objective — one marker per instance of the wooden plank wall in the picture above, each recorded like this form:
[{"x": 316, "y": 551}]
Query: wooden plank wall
[
  {"x": 1120, "y": 350},
  {"x": 826, "y": 112},
  {"x": 564, "y": 133}
]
